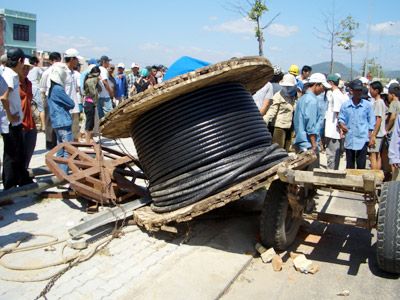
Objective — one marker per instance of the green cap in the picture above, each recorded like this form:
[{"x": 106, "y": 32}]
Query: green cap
[{"x": 333, "y": 77}]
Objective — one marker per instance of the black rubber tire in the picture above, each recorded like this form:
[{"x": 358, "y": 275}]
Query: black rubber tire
[
  {"x": 278, "y": 228},
  {"x": 388, "y": 228}
]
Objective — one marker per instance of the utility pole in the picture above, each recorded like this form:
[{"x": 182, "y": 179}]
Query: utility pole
[{"x": 368, "y": 37}]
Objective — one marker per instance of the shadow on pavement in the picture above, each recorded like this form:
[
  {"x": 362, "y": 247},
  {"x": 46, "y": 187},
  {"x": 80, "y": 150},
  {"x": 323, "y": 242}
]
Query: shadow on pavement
[
  {"x": 14, "y": 237},
  {"x": 232, "y": 228},
  {"x": 10, "y": 213},
  {"x": 339, "y": 244}
]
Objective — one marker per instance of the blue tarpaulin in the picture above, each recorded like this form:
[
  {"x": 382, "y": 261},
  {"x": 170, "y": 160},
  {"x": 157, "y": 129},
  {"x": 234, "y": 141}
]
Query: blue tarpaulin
[{"x": 184, "y": 65}]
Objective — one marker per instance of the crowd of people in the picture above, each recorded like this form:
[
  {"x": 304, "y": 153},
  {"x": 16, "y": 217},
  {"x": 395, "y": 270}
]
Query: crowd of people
[
  {"x": 69, "y": 102},
  {"x": 303, "y": 110},
  {"x": 312, "y": 111}
]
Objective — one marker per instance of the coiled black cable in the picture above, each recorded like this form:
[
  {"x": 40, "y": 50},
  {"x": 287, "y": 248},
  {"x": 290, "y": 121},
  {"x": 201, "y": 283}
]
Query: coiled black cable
[{"x": 201, "y": 143}]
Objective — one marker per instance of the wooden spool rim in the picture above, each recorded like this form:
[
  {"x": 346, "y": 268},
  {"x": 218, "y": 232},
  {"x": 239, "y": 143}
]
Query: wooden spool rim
[{"x": 251, "y": 72}]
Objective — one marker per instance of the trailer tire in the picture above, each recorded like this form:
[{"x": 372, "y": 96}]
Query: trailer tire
[
  {"x": 388, "y": 228},
  {"x": 278, "y": 228}
]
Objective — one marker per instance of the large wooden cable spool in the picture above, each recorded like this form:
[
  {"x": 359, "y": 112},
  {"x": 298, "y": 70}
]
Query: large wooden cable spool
[{"x": 161, "y": 160}]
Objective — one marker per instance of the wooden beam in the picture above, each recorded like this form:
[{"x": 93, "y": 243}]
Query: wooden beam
[
  {"x": 364, "y": 180},
  {"x": 337, "y": 219}
]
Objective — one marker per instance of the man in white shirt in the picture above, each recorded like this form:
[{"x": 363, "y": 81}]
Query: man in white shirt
[
  {"x": 379, "y": 132},
  {"x": 263, "y": 98},
  {"x": 51, "y": 139},
  {"x": 104, "y": 104},
  {"x": 333, "y": 136},
  {"x": 305, "y": 74},
  {"x": 14, "y": 171},
  {"x": 71, "y": 88}
]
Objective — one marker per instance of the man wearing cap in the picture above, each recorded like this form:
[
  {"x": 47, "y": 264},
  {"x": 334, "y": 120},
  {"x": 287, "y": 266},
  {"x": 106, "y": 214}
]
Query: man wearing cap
[
  {"x": 333, "y": 136},
  {"x": 91, "y": 63},
  {"x": 60, "y": 105},
  {"x": 132, "y": 77},
  {"x": 51, "y": 139},
  {"x": 308, "y": 116},
  {"x": 294, "y": 70},
  {"x": 121, "y": 84},
  {"x": 278, "y": 76},
  {"x": 364, "y": 81},
  {"x": 104, "y": 105},
  {"x": 14, "y": 171},
  {"x": 71, "y": 88},
  {"x": 280, "y": 113},
  {"x": 357, "y": 121}
]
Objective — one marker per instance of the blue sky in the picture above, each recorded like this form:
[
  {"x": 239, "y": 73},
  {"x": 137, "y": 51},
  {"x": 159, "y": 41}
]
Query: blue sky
[{"x": 159, "y": 32}]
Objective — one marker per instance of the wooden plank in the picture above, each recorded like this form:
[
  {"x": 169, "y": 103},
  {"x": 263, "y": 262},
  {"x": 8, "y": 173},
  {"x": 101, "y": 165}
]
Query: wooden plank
[
  {"x": 337, "y": 219},
  {"x": 153, "y": 221},
  {"x": 364, "y": 180}
]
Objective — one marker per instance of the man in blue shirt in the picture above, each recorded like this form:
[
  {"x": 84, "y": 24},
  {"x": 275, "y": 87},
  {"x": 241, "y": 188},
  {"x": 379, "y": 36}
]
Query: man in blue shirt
[
  {"x": 122, "y": 84},
  {"x": 357, "y": 121},
  {"x": 308, "y": 117}
]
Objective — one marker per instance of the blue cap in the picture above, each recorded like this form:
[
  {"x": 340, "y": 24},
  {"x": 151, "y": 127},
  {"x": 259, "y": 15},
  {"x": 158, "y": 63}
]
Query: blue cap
[
  {"x": 92, "y": 61},
  {"x": 356, "y": 84}
]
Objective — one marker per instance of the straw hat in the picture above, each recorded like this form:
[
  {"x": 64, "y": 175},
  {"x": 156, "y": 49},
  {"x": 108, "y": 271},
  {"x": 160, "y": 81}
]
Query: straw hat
[{"x": 251, "y": 72}]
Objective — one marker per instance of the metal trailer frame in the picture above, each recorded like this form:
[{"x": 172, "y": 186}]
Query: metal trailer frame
[{"x": 366, "y": 182}]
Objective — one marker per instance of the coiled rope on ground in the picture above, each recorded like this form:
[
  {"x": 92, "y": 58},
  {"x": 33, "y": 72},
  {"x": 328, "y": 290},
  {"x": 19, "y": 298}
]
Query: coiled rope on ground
[{"x": 201, "y": 143}]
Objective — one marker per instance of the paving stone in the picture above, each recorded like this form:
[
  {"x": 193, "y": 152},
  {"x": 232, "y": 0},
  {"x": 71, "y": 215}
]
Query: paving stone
[
  {"x": 16, "y": 294},
  {"x": 75, "y": 295},
  {"x": 95, "y": 288},
  {"x": 66, "y": 287},
  {"x": 114, "y": 284}
]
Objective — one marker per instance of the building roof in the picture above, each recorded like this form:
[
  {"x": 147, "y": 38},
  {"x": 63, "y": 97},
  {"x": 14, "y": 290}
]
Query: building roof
[{"x": 17, "y": 14}]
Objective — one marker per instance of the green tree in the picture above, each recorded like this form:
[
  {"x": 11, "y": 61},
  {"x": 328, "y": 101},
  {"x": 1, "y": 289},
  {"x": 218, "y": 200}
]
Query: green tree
[
  {"x": 346, "y": 38},
  {"x": 254, "y": 12}
]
